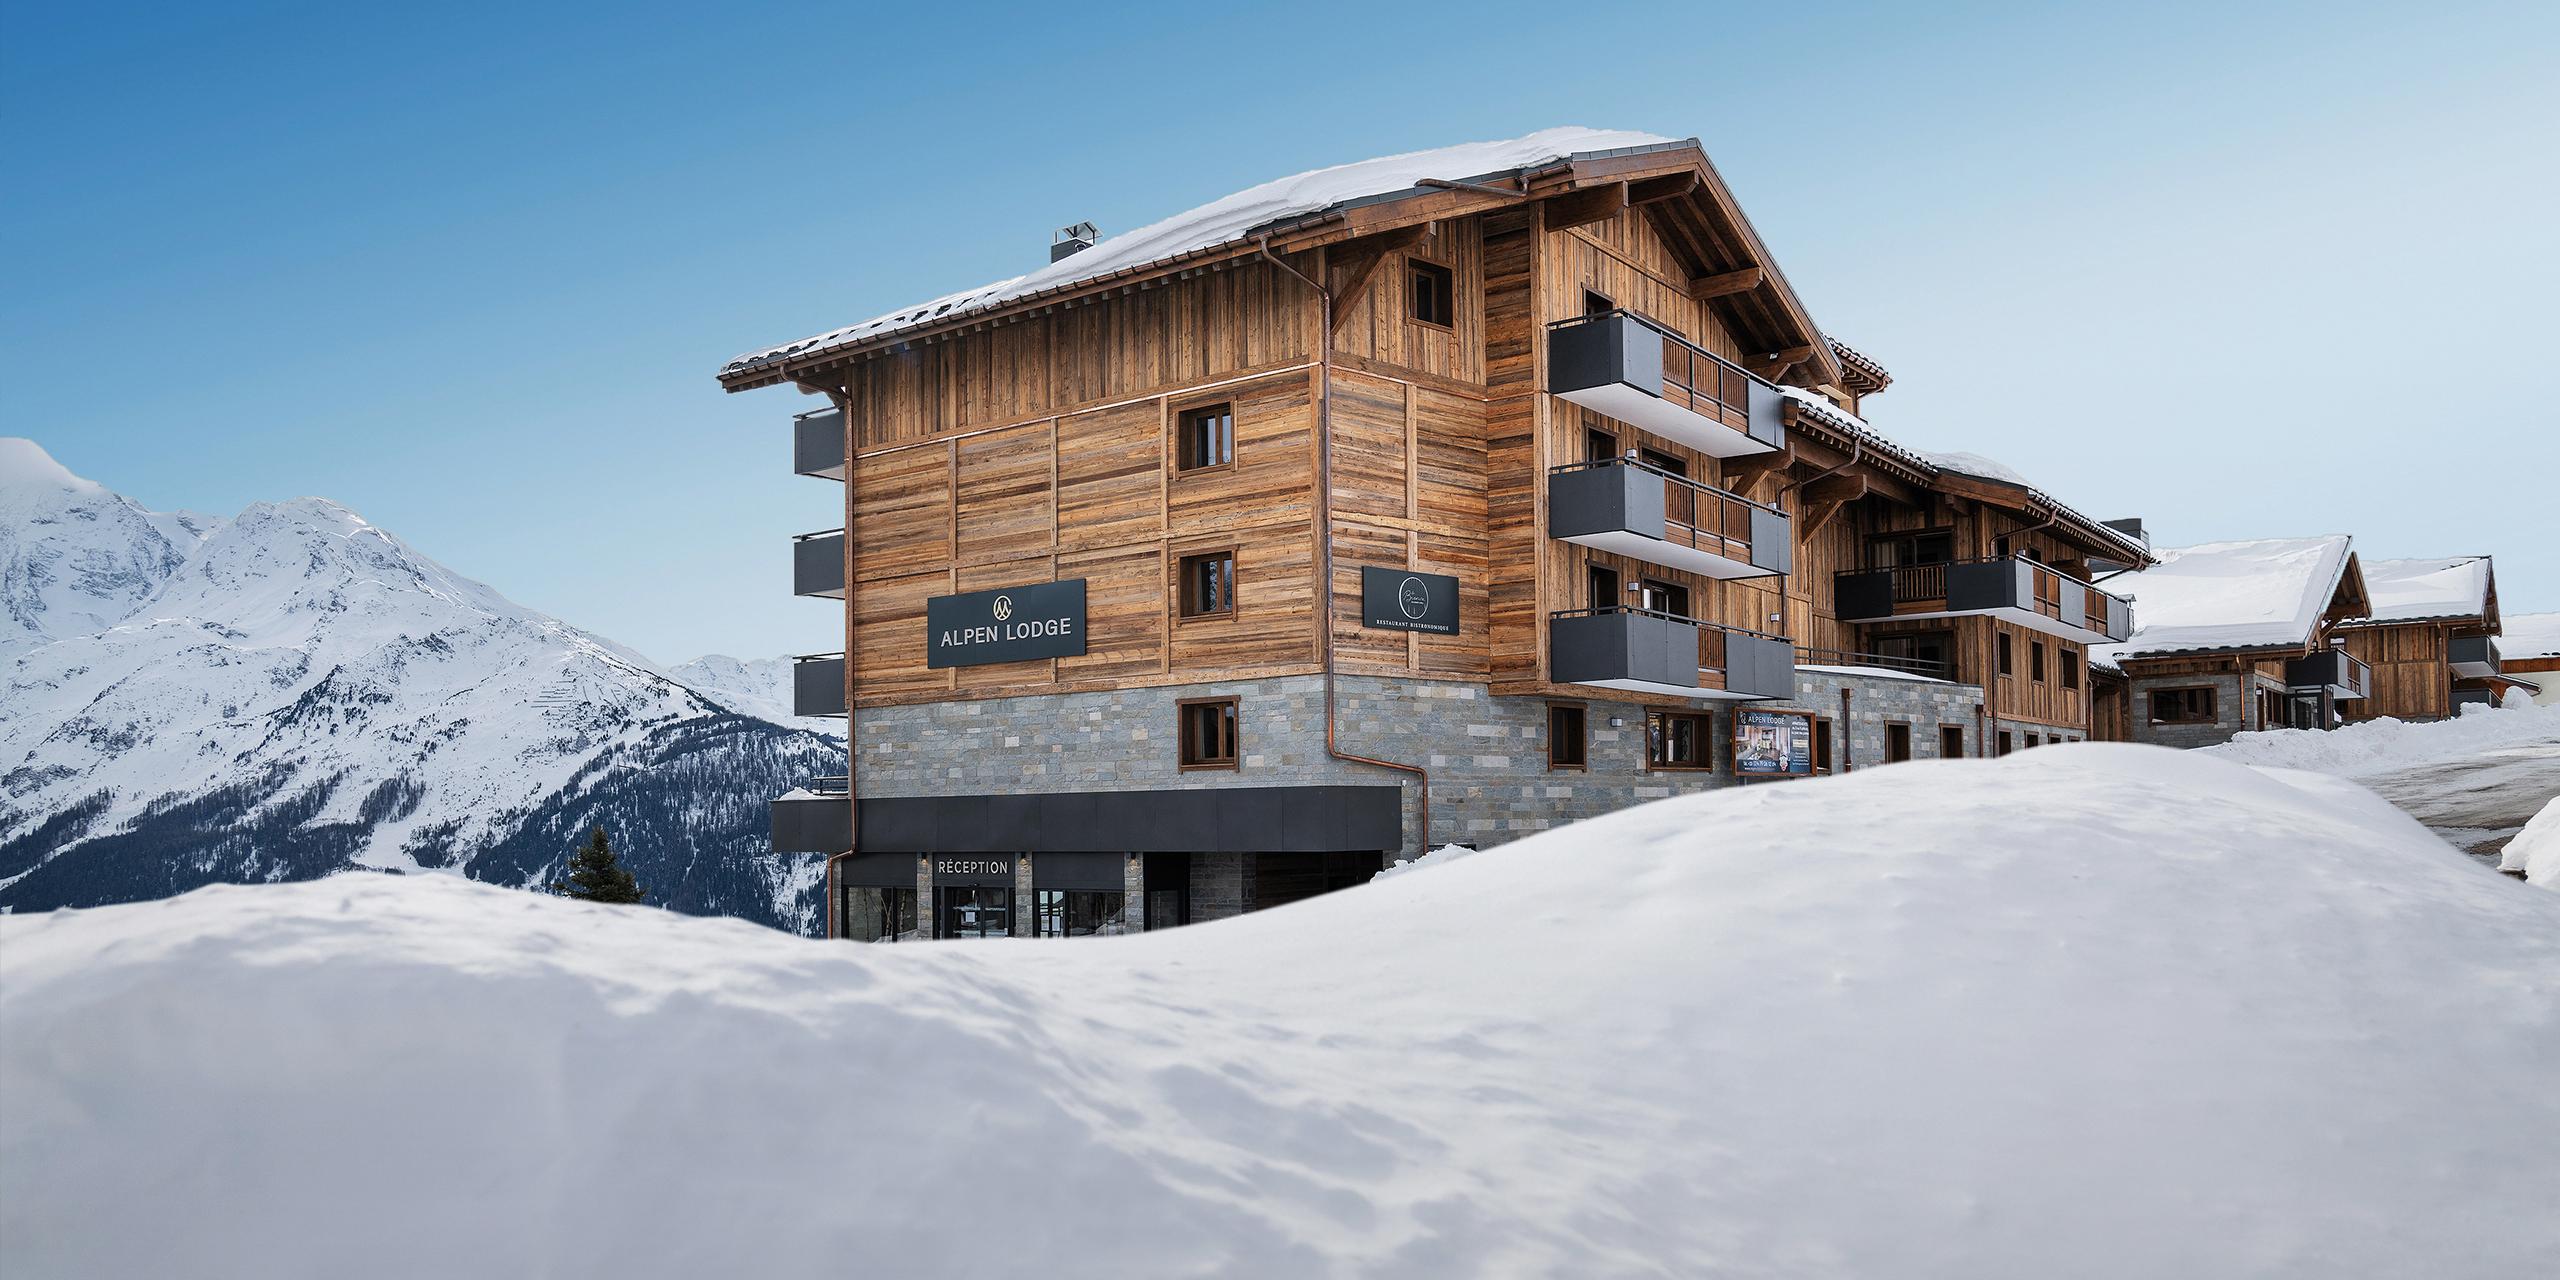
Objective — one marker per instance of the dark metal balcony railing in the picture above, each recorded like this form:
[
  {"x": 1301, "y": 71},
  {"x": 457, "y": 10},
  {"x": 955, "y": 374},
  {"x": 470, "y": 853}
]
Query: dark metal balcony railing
[
  {"x": 2342, "y": 673},
  {"x": 1983, "y": 584},
  {"x": 817, "y": 563},
  {"x": 1635, "y": 370},
  {"x": 817, "y": 443},
  {"x": 1625, "y": 644},
  {"x": 1695, "y": 515},
  {"x": 817, "y": 684},
  {"x": 2474, "y": 656},
  {"x": 1929, "y": 667}
]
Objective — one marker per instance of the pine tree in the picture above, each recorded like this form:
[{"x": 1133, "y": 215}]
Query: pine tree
[{"x": 595, "y": 875}]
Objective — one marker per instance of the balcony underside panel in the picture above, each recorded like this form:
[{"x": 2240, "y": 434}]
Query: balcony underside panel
[
  {"x": 1672, "y": 690},
  {"x": 1661, "y": 552},
  {"x": 1663, "y": 418},
  {"x": 2027, "y": 618}
]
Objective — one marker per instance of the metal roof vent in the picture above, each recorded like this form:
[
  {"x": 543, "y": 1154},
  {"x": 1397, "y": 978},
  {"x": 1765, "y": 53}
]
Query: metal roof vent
[{"x": 1072, "y": 240}]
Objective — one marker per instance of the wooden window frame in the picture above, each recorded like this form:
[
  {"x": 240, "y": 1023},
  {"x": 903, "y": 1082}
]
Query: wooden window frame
[
  {"x": 1818, "y": 748},
  {"x": 1890, "y": 728},
  {"x": 1592, "y": 435},
  {"x": 1415, "y": 266},
  {"x": 1706, "y": 741},
  {"x": 1229, "y": 763},
  {"x": 2002, "y": 746},
  {"x": 1182, "y": 418},
  {"x": 1582, "y": 738},
  {"x": 1957, "y": 731},
  {"x": 2070, "y": 666},
  {"x": 2004, "y": 662},
  {"x": 2212, "y": 704},
  {"x": 1182, "y": 585},
  {"x": 2036, "y": 669}
]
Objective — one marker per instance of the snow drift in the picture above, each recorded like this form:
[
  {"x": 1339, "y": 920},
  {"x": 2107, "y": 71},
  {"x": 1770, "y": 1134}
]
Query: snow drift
[
  {"x": 2369, "y": 747},
  {"x": 2087, "y": 1011}
]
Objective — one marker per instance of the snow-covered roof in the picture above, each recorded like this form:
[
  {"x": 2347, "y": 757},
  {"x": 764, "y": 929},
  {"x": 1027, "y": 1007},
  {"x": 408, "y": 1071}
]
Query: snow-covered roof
[
  {"x": 2263, "y": 593},
  {"x": 2530, "y": 635},
  {"x": 1235, "y": 218},
  {"x": 2416, "y": 590},
  {"x": 1966, "y": 464}
]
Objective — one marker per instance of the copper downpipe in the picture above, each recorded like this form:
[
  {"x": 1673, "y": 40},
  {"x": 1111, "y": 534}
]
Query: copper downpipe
[{"x": 1324, "y": 513}]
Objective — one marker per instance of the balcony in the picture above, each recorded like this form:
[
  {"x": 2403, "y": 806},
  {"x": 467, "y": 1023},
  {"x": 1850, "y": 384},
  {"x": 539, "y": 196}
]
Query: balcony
[
  {"x": 817, "y": 684},
  {"x": 817, "y": 443},
  {"x": 817, "y": 564},
  {"x": 2474, "y": 657},
  {"x": 2336, "y": 672},
  {"x": 1642, "y": 511},
  {"x": 817, "y": 818},
  {"x": 1642, "y": 651},
  {"x": 1633, "y": 370},
  {"x": 2011, "y": 588}
]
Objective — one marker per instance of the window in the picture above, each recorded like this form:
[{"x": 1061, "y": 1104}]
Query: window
[
  {"x": 964, "y": 912},
  {"x": 2070, "y": 668},
  {"x": 1602, "y": 581},
  {"x": 1208, "y": 588},
  {"x": 1598, "y": 445},
  {"x": 1208, "y": 733},
  {"x": 1662, "y": 597},
  {"x": 2182, "y": 706},
  {"x": 1567, "y": 744},
  {"x": 1078, "y": 913},
  {"x": 1928, "y": 653},
  {"x": 2006, "y": 667},
  {"x": 1596, "y": 304},
  {"x": 2031, "y": 742},
  {"x": 1821, "y": 745},
  {"x": 1677, "y": 740},
  {"x": 1435, "y": 293},
  {"x": 1897, "y": 743},
  {"x": 1910, "y": 548},
  {"x": 1660, "y": 461},
  {"x": 2000, "y": 546},
  {"x": 879, "y": 915},
  {"x": 1951, "y": 742},
  {"x": 2003, "y": 748},
  {"x": 2035, "y": 661},
  {"x": 1205, "y": 438}
]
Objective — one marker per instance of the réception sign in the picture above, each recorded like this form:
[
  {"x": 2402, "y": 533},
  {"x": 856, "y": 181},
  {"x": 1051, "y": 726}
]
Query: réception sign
[
  {"x": 984, "y": 870},
  {"x": 1772, "y": 744},
  {"x": 1014, "y": 624},
  {"x": 1402, "y": 600}
]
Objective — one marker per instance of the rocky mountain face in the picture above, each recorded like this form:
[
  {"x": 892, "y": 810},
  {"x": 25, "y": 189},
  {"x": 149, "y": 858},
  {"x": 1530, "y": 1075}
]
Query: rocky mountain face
[{"x": 295, "y": 691}]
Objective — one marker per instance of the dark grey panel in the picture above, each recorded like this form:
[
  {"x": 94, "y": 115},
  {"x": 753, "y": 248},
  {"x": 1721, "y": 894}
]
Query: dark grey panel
[
  {"x": 2478, "y": 651},
  {"x": 1592, "y": 500},
  {"x": 1006, "y": 624},
  {"x": 817, "y": 442},
  {"x": 1102, "y": 871},
  {"x": 817, "y": 564},
  {"x": 878, "y": 871},
  {"x": 986, "y": 870},
  {"x": 1990, "y": 584},
  {"x": 1862, "y": 594},
  {"x": 1189, "y": 820},
  {"x": 1623, "y": 646},
  {"x": 817, "y": 687},
  {"x": 822, "y": 824},
  {"x": 1767, "y": 423},
  {"x": 1602, "y": 350},
  {"x": 1773, "y": 542},
  {"x": 1759, "y": 665}
]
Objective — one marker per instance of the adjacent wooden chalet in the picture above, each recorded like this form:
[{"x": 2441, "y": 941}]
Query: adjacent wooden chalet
[
  {"x": 2431, "y": 639},
  {"x": 2237, "y": 636}
]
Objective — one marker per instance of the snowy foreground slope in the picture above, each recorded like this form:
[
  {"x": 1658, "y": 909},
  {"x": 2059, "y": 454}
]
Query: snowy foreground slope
[
  {"x": 295, "y": 691},
  {"x": 2370, "y": 747},
  {"x": 2087, "y": 1011}
]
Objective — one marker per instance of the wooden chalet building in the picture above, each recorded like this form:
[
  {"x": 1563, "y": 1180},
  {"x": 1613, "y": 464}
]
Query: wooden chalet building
[
  {"x": 1439, "y": 498},
  {"x": 2432, "y": 639},
  {"x": 2236, "y": 637}
]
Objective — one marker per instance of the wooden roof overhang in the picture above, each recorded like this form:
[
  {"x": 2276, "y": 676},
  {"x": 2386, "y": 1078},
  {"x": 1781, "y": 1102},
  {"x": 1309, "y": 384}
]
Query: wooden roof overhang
[
  {"x": 1860, "y": 373},
  {"x": 2035, "y": 504},
  {"x": 1674, "y": 183}
]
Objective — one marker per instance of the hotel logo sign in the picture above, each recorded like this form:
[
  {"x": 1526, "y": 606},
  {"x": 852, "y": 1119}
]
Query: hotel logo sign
[
  {"x": 1402, "y": 600},
  {"x": 1011, "y": 624}
]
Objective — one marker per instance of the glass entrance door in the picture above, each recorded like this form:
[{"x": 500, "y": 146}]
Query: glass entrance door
[{"x": 962, "y": 912}]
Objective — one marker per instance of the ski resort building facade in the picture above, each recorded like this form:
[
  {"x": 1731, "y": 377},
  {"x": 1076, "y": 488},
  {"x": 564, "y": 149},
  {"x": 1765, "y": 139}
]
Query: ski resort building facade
[
  {"x": 1436, "y": 499},
  {"x": 2431, "y": 639}
]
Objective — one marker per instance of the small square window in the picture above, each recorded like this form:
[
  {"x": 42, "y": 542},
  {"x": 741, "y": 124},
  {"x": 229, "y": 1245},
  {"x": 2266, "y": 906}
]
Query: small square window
[
  {"x": 1205, "y": 438},
  {"x": 1567, "y": 743},
  {"x": 1677, "y": 740},
  {"x": 1208, "y": 586},
  {"x": 1435, "y": 293},
  {"x": 1208, "y": 733}
]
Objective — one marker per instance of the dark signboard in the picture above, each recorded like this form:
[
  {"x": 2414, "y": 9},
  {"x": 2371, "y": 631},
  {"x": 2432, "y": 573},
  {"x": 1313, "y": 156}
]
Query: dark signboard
[
  {"x": 1772, "y": 744},
  {"x": 1015, "y": 624},
  {"x": 1402, "y": 600},
  {"x": 985, "y": 870}
]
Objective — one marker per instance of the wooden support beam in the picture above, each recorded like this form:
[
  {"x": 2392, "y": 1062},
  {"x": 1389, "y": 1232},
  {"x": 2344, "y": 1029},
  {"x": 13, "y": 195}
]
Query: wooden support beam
[
  {"x": 1669, "y": 186},
  {"x": 1846, "y": 487},
  {"x": 1742, "y": 474},
  {"x": 1588, "y": 205},
  {"x": 1778, "y": 362},
  {"x": 1731, "y": 282},
  {"x": 1361, "y": 259}
]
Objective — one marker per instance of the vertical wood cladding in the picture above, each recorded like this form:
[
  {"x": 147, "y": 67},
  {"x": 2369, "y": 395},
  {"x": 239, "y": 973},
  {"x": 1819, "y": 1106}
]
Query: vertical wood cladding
[{"x": 2412, "y": 670}]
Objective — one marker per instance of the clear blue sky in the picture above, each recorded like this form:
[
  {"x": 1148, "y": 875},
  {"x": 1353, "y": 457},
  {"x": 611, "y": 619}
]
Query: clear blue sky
[{"x": 2241, "y": 270}]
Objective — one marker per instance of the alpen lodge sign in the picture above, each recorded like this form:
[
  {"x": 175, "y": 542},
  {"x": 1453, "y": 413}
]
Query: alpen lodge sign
[{"x": 1012, "y": 624}]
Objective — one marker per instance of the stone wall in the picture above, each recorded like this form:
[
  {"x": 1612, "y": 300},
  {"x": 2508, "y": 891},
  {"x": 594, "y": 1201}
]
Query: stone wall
[
  {"x": 2235, "y": 694},
  {"x": 1486, "y": 754}
]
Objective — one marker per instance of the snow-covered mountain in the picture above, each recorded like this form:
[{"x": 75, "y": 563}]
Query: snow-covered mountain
[
  {"x": 295, "y": 691},
  {"x": 758, "y": 686}
]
